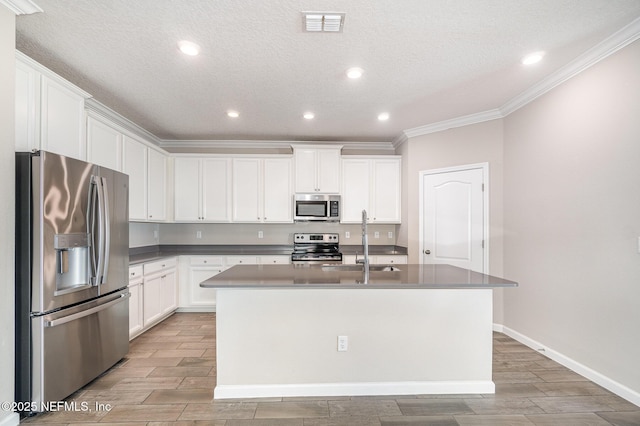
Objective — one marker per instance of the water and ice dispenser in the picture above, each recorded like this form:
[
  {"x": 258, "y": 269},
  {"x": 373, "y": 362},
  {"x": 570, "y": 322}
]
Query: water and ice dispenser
[{"x": 72, "y": 261}]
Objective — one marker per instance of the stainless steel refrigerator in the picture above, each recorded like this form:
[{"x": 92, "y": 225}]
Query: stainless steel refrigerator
[{"x": 72, "y": 259}]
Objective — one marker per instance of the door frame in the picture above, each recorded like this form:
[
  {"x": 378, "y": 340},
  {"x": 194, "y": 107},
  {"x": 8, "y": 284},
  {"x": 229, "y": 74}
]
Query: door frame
[{"x": 485, "y": 205}]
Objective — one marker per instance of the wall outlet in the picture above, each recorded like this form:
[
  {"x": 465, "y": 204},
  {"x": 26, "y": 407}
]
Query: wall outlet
[
  {"x": 347, "y": 234},
  {"x": 343, "y": 343},
  {"x": 198, "y": 234},
  {"x": 155, "y": 234},
  {"x": 376, "y": 234},
  {"x": 260, "y": 234},
  {"x": 390, "y": 234}
]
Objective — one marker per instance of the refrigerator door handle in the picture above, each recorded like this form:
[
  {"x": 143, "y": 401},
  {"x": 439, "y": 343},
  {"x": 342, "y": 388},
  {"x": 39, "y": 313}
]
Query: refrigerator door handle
[
  {"x": 78, "y": 315},
  {"x": 107, "y": 230},
  {"x": 101, "y": 229},
  {"x": 91, "y": 229}
]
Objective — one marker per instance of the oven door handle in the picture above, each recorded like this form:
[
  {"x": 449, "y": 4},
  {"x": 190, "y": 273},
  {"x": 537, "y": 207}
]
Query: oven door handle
[{"x": 86, "y": 313}]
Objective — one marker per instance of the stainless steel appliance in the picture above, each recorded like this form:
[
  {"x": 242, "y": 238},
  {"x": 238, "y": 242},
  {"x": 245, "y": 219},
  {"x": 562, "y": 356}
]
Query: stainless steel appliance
[
  {"x": 316, "y": 207},
  {"x": 72, "y": 257},
  {"x": 316, "y": 248}
]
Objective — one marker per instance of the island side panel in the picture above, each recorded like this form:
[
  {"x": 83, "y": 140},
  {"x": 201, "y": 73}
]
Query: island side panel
[{"x": 284, "y": 342}]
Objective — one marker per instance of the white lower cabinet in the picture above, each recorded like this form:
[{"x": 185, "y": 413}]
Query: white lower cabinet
[
  {"x": 154, "y": 294},
  {"x": 136, "y": 288},
  {"x": 196, "y": 269}
]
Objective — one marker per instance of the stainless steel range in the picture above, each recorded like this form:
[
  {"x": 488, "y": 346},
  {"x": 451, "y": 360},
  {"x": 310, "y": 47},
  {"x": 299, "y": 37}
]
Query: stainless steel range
[{"x": 316, "y": 248}]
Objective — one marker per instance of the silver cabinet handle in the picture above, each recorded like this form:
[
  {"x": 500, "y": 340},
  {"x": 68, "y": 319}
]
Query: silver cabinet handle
[{"x": 427, "y": 252}]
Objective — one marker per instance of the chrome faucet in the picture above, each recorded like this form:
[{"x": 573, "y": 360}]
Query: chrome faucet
[{"x": 365, "y": 247}]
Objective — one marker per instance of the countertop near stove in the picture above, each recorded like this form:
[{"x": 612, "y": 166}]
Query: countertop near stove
[
  {"x": 411, "y": 276},
  {"x": 150, "y": 253}
]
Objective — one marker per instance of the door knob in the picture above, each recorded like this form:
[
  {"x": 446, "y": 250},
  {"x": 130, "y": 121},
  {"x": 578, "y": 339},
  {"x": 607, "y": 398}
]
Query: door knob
[{"x": 427, "y": 252}]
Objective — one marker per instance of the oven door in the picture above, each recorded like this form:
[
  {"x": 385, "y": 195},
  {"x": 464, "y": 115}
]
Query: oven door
[{"x": 307, "y": 210}]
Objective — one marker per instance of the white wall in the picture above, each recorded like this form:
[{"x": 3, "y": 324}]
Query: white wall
[
  {"x": 477, "y": 143},
  {"x": 7, "y": 203},
  {"x": 572, "y": 218}
]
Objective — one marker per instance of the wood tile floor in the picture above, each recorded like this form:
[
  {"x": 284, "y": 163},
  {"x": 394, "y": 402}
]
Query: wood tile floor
[{"x": 169, "y": 374}]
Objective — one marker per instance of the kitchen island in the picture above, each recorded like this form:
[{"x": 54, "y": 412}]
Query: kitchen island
[{"x": 318, "y": 330}]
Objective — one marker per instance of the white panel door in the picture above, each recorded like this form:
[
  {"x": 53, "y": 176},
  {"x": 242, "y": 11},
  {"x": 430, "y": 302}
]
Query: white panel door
[
  {"x": 385, "y": 203},
  {"x": 453, "y": 218},
  {"x": 187, "y": 190},
  {"x": 216, "y": 189},
  {"x": 104, "y": 144},
  {"x": 328, "y": 170},
  {"x": 246, "y": 190},
  {"x": 157, "y": 184},
  {"x": 355, "y": 189},
  {"x": 278, "y": 194},
  {"x": 134, "y": 163},
  {"x": 305, "y": 170}
]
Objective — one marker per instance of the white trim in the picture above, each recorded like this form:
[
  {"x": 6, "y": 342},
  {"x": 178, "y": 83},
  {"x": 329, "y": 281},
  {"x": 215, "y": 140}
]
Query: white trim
[
  {"x": 272, "y": 144},
  {"x": 46, "y": 72},
  {"x": 21, "y": 7},
  {"x": 353, "y": 389},
  {"x": 595, "y": 376},
  {"x": 466, "y": 120},
  {"x": 485, "y": 205}
]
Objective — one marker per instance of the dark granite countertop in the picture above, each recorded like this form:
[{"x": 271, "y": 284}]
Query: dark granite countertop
[
  {"x": 411, "y": 276},
  {"x": 150, "y": 253}
]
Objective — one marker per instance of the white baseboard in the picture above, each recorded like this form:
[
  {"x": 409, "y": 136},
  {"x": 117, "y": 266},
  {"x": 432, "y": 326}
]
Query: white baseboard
[
  {"x": 596, "y": 377},
  {"x": 10, "y": 419},
  {"x": 353, "y": 389},
  {"x": 197, "y": 309}
]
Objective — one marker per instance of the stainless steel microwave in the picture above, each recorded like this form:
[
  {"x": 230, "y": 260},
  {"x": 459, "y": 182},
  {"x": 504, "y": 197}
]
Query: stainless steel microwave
[{"x": 318, "y": 207}]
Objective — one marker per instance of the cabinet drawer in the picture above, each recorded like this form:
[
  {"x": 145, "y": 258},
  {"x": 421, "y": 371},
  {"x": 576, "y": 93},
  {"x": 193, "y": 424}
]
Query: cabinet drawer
[
  {"x": 275, "y": 260},
  {"x": 391, "y": 259},
  {"x": 159, "y": 265},
  {"x": 135, "y": 273},
  {"x": 206, "y": 260},
  {"x": 242, "y": 260}
]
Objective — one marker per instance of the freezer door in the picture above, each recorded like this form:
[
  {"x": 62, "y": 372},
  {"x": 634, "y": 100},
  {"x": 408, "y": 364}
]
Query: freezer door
[{"x": 76, "y": 345}]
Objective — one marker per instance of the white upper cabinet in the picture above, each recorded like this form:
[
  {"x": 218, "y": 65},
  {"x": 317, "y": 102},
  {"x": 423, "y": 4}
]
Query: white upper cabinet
[
  {"x": 49, "y": 111},
  {"x": 134, "y": 163},
  {"x": 317, "y": 168},
  {"x": 262, "y": 190},
  {"x": 157, "y": 186},
  {"x": 202, "y": 189},
  {"x": 372, "y": 184},
  {"x": 104, "y": 144}
]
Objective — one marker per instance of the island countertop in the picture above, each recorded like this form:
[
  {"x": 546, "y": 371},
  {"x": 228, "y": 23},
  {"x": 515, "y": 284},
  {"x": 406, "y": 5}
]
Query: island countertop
[{"x": 406, "y": 276}]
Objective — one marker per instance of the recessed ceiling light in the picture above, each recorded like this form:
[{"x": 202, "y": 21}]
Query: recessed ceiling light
[
  {"x": 233, "y": 114},
  {"x": 308, "y": 115},
  {"x": 355, "y": 72},
  {"x": 384, "y": 116},
  {"x": 532, "y": 58},
  {"x": 188, "y": 48}
]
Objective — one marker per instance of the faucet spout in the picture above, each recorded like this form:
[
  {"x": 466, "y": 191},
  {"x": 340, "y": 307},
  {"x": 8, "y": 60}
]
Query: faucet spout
[{"x": 365, "y": 246}]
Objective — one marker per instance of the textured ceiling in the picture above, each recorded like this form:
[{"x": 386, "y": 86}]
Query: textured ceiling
[{"x": 425, "y": 60}]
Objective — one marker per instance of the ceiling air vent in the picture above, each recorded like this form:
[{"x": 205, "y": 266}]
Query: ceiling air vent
[{"x": 322, "y": 21}]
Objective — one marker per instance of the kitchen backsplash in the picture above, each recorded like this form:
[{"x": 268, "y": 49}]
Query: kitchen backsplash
[{"x": 145, "y": 234}]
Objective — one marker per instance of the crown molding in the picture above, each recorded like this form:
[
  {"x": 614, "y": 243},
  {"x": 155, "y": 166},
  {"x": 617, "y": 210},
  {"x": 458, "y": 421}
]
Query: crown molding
[
  {"x": 21, "y": 7},
  {"x": 466, "y": 120},
  {"x": 602, "y": 50},
  {"x": 96, "y": 108},
  {"x": 269, "y": 144}
]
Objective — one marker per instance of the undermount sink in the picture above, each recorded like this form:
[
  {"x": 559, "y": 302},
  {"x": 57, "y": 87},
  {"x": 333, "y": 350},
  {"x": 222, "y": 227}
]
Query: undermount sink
[{"x": 360, "y": 268}]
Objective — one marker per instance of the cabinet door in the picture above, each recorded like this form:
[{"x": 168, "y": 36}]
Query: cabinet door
[
  {"x": 135, "y": 309},
  {"x": 328, "y": 170},
  {"x": 169, "y": 296},
  {"x": 157, "y": 185},
  {"x": 187, "y": 189},
  {"x": 355, "y": 190},
  {"x": 62, "y": 120},
  {"x": 246, "y": 190},
  {"x": 278, "y": 195},
  {"x": 198, "y": 296},
  {"x": 134, "y": 163},
  {"x": 152, "y": 303},
  {"x": 305, "y": 170},
  {"x": 385, "y": 203},
  {"x": 216, "y": 189},
  {"x": 104, "y": 144},
  {"x": 27, "y": 108}
]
